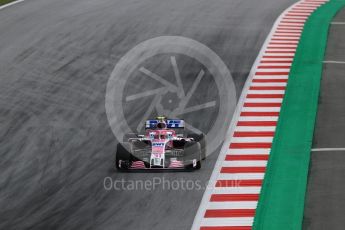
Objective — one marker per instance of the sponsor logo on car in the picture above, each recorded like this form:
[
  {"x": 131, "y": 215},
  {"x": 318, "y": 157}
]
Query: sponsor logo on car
[{"x": 158, "y": 144}]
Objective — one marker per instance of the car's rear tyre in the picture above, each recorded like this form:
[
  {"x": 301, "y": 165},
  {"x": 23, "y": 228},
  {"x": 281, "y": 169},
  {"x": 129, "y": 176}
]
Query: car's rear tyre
[
  {"x": 192, "y": 150},
  {"x": 202, "y": 140},
  {"x": 123, "y": 155}
]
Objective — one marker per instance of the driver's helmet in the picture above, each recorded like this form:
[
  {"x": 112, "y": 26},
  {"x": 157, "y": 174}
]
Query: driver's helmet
[{"x": 161, "y": 123}]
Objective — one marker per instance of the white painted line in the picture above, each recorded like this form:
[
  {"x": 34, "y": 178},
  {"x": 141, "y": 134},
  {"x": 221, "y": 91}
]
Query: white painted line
[
  {"x": 334, "y": 62},
  {"x": 288, "y": 36},
  {"x": 291, "y": 28},
  {"x": 280, "y": 75},
  {"x": 297, "y": 18},
  {"x": 301, "y": 19},
  {"x": 297, "y": 15},
  {"x": 255, "y": 129},
  {"x": 271, "y": 77},
  {"x": 231, "y": 222},
  {"x": 304, "y": 8},
  {"x": 298, "y": 26},
  {"x": 264, "y": 100},
  {"x": 280, "y": 35},
  {"x": 284, "y": 29},
  {"x": 248, "y": 151},
  {"x": 252, "y": 139},
  {"x": 276, "y": 59},
  {"x": 233, "y": 205},
  {"x": 297, "y": 11},
  {"x": 241, "y": 176},
  {"x": 244, "y": 164},
  {"x": 284, "y": 42},
  {"x": 327, "y": 149},
  {"x": 261, "y": 109},
  {"x": 10, "y": 4},
  {"x": 281, "y": 50},
  {"x": 274, "y": 65},
  {"x": 237, "y": 190},
  {"x": 294, "y": 25},
  {"x": 338, "y": 23},
  {"x": 304, "y": 4},
  {"x": 292, "y": 46},
  {"x": 285, "y": 37},
  {"x": 263, "y": 118},
  {"x": 266, "y": 92},
  {"x": 270, "y": 84},
  {"x": 273, "y": 70}
]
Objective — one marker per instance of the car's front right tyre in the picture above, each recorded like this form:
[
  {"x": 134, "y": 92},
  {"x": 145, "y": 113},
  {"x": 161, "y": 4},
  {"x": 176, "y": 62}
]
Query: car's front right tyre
[{"x": 192, "y": 151}]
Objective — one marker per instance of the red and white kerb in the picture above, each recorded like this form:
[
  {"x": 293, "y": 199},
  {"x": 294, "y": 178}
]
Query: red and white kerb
[{"x": 233, "y": 198}]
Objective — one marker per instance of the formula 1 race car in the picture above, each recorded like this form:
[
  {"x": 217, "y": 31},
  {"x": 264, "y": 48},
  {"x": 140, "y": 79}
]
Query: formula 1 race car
[{"x": 163, "y": 146}]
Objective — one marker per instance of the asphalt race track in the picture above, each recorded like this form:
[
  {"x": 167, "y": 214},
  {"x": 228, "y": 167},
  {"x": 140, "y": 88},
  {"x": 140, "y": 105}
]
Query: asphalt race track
[
  {"x": 324, "y": 207},
  {"x": 56, "y": 57}
]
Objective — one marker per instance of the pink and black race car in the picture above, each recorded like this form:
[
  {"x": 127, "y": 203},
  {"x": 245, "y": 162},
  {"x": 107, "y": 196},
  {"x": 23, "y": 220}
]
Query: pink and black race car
[{"x": 163, "y": 146}]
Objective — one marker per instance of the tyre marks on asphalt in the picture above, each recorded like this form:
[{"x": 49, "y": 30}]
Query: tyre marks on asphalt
[{"x": 231, "y": 202}]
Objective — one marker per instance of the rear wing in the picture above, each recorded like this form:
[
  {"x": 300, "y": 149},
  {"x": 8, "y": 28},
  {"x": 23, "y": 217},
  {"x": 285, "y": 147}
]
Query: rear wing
[{"x": 171, "y": 124}]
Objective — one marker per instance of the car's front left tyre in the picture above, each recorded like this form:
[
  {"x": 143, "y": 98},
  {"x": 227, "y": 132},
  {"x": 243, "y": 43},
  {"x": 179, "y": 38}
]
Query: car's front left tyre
[{"x": 123, "y": 156}]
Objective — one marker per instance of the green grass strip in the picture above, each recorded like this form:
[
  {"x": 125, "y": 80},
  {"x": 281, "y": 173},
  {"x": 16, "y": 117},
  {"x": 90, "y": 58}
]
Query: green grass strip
[
  {"x": 3, "y": 2},
  {"x": 281, "y": 202}
]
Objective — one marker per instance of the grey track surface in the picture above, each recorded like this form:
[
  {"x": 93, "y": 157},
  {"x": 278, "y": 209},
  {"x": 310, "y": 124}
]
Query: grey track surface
[
  {"x": 56, "y": 146},
  {"x": 325, "y": 201}
]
